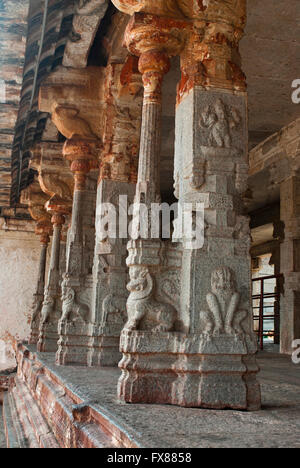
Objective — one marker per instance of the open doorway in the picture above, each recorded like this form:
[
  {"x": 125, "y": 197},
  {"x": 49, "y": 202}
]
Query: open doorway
[{"x": 266, "y": 303}]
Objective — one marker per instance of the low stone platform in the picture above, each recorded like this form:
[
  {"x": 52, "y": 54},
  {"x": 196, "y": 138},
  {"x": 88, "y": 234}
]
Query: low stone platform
[{"x": 78, "y": 408}]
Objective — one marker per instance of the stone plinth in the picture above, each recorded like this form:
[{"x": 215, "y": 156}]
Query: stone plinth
[
  {"x": 48, "y": 337},
  {"x": 189, "y": 371},
  {"x": 74, "y": 343}
]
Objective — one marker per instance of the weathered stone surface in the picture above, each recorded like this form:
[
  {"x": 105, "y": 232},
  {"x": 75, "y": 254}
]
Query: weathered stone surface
[
  {"x": 92, "y": 392},
  {"x": 86, "y": 21},
  {"x": 13, "y": 30},
  {"x": 188, "y": 370},
  {"x": 290, "y": 263},
  {"x": 19, "y": 253}
]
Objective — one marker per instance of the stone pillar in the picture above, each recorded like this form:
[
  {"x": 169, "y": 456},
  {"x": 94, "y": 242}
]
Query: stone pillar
[
  {"x": 51, "y": 310},
  {"x": 217, "y": 361},
  {"x": 278, "y": 235},
  {"x": 44, "y": 232},
  {"x": 75, "y": 326},
  {"x": 35, "y": 199},
  {"x": 118, "y": 176},
  {"x": 201, "y": 354},
  {"x": 290, "y": 262},
  {"x": 154, "y": 265}
]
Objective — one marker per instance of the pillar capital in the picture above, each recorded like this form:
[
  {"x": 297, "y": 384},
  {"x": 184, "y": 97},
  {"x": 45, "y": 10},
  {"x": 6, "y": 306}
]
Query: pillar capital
[
  {"x": 44, "y": 230},
  {"x": 82, "y": 153},
  {"x": 147, "y": 33},
  {"x": 211, "y": 55},
  {"x": 153, "y": 65},
  {"x": 58, "y": 209}
]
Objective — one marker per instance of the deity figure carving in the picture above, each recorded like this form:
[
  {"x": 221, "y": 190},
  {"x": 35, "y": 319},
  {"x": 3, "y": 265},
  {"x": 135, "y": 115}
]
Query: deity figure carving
[
  {"x": 220, "y": 120},
  {"x": 71, "y": 310},
  {"x": 225, "y": 315},
  {"x": 144, "y": 311}
]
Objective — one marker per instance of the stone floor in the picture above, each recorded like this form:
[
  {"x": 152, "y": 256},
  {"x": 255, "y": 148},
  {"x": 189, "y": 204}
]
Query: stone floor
[
  {"x": 276, "y": 425},
  {"x": 2, "y": 435}
]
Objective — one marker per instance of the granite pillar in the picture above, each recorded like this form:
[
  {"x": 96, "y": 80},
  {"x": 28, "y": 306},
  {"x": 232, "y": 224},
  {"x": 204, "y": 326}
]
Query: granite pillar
[
  {"x": 199, "y": 351},
  {"x": 40, "y": 288},
  {"x": 290, "y": 263},
  {"x": 116, "y": 187},
  {"x": 51, "y": 310},
  {"x": 75, "y": 326}
]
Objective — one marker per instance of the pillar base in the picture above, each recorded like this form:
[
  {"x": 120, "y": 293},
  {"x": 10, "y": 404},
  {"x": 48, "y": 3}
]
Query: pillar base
[
  {"x": 34, "y": 335},
  {"x": 216, "y": 372},
  {"x": 48, "y": 338},
  {"x": 106, "y": 351},
  {"x": 74, "y": 344}
]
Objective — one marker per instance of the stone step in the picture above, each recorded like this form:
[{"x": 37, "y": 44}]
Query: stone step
[
  {"x": 14, "y": 432},
  {"x": 35, "y": 422},
  {"x": 24, "y": 425},
  {"x": 52, "y": 415}
]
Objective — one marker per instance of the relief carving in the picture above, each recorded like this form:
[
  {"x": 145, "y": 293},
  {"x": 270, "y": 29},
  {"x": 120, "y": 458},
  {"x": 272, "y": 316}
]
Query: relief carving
[
  {"x": 71, "y": 310},
  {"x": 68, "y": 122},
  {"x": 219, "y": 120},
  {"x": 225, "y": 315},
  {"x": 114, "y": 308},
  {"x": 144, "y": 311},
  {"x": 48, "y": 308},
  {"x": 36, "y": 307}
]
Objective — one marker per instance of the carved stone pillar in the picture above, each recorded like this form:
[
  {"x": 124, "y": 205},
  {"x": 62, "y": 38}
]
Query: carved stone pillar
[
  {"x": 35, "y": 199},
  {"x": 74, "y": 97},
  {"x": 202, "y": 353},
  {"x": 44, "y": 231},
  {"x": 217, "y": 361},
  {"x": 75, "y": 326},
  {"x": 51, "y": 310},
  {"x": 290, "y": 262},
  {"x": 118, "y": 176},
  {"x": 154, "y": 265}
]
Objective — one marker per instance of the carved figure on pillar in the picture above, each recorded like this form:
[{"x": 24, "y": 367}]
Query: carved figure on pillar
[
  {"x": 144, "y": 312},
  {"x": 224, "y": 314}
]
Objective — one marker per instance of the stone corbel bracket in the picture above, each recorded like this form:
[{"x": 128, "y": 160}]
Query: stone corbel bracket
[
  {"x": 167, "y": 8},
  {"x": 35, "y": 199},
  {"x": 54, "y": 175},
  {"x": 230, "y": 11},
  {"x": 74, "y": 98},
  {"x": 86, "y": 21}
]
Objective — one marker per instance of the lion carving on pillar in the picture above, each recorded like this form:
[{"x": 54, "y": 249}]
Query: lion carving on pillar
[
  {"x": 71, "y": 310},
  {"x": 144, "y": 311}
]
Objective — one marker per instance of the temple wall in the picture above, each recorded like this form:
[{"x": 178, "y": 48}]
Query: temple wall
[{"x": 19, "y": 257}]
